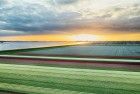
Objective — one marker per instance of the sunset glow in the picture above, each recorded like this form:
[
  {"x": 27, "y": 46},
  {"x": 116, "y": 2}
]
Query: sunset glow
[
  {"x": 74, "y": 37},
  {"x": 84, "y": 37}
]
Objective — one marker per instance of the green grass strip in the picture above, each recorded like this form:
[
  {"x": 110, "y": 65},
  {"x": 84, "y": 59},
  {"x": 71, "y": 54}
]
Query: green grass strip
[
  {"x": 67, "y": 80},
  {"x": 36, "y": 90}
]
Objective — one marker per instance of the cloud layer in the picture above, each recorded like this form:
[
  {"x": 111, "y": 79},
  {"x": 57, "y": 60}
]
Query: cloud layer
[
  {"x": 64, "y": 1},
  {"x": 50, "y": 16}
]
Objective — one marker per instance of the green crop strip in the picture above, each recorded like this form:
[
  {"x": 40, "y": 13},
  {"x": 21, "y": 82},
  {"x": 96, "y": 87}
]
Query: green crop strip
[{"x": 53, "y": 80}]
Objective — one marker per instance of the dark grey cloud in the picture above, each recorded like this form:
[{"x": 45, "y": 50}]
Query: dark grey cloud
[
  {"x": 64, "y": 1},
  {"x": 2, "y": 2},
  {"x": 34, "y": 18},
  {"x": 128, "y": 24}
]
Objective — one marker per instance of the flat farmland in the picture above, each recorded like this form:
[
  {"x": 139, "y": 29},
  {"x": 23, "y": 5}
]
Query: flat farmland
[
  {"x": 53, "y": 80},
  {"x": 90, "y": 50}
]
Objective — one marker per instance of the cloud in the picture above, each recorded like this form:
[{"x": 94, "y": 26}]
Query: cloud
[
  {"x": 123, "y": 18},
  {"x": 10, "y": 32},
  {"x": 50, "y": 16},
  {"x": 64, "y": 1},
  {"x": 34, "y": 18},
  {"x": 2, "y": 2}
]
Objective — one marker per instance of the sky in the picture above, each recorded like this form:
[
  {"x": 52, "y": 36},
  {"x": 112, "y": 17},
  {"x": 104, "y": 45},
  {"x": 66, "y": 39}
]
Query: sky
[{"x": 61, "y": 20}]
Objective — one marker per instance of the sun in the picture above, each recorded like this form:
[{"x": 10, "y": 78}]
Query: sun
[{"x": 84, "y": 37}]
